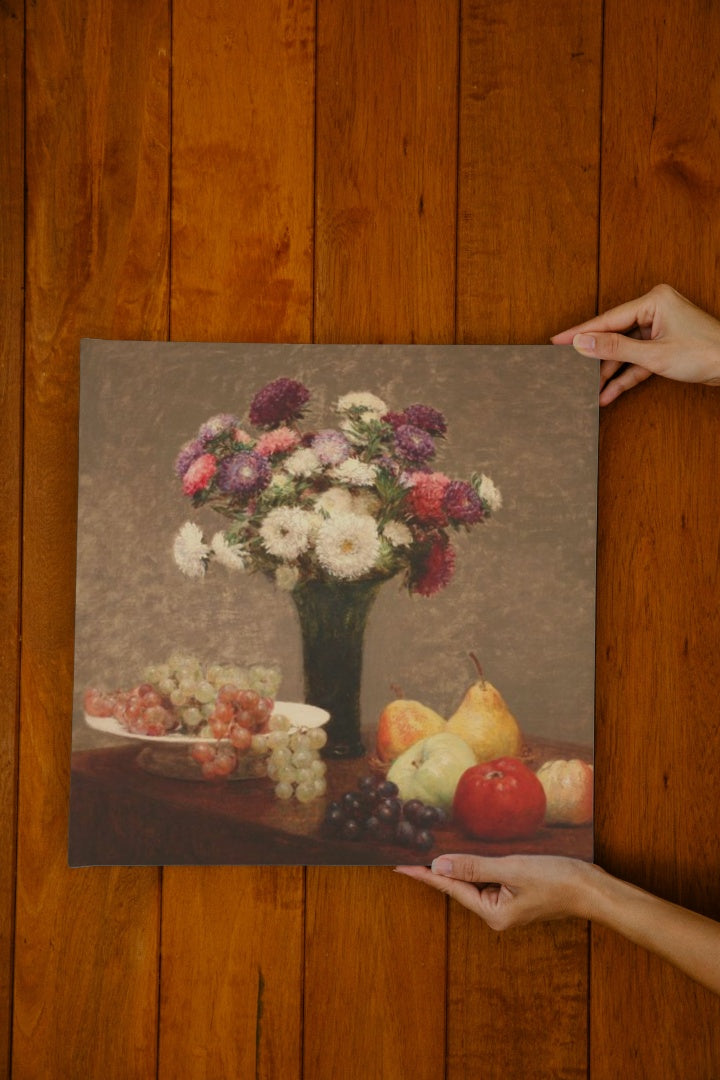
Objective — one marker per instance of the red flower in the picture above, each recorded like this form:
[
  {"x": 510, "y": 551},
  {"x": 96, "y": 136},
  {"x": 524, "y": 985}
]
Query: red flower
[
  {"x": 200, "y": 473},
  {"x": 425, "y": 498},
  {"x": 437, "y": 570}
]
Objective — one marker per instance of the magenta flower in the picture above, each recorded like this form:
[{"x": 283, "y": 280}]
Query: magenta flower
[
  {"x": 436, "y": 571},
  {"x": 462, "y": 504},
  {"x": 427, "y": 418},
  {"x": 200, "y": 473},
  {"x": 280, "y": 402},
  {"x": 245, "y": 473},
  {"x": 414, "y": 444}
]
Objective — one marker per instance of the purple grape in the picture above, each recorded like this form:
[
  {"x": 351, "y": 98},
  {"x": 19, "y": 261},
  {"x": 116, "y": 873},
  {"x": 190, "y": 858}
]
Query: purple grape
[
  {"x": 429, "y": 816},
  {"x": 405, "y": 833},
  {"x": 367, "y": 784},
  {"x": 334, "y": 817},
  {"x": 351, "y": 830},
  {"x": 352, "y": 805},
  {"x": 413, "y": 810},
  {"x": 424, "y": 840},
  {"x": 387, "y": 789}
]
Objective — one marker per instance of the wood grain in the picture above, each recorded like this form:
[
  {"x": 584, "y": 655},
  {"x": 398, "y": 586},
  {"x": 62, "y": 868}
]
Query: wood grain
[
  {"x": 97, "y": 180},
  {"x": 12, "y": 213},
  {"x": 659, "y": 583},
  {"x": 243, "y": 107},
  {"x": 528, "y": 197},
  {"x": 385, "y": 197}
]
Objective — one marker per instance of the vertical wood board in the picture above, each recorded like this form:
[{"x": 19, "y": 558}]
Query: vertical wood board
[
  {"x": 384, "y": 272},
  {"x": 97, "y": 177},
  {"x": 242, "y": 227}
]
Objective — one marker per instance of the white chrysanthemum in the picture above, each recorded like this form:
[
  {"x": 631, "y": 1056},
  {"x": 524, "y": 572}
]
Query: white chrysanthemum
[
  {"x": 372, "y": 407},
  {"x": 397, "y": 534},
  {"x": 190, "y": 550},
  {"x": 336, "y": 500},
  {"x": 303, "y": 462},
  {"x": 354, "y": 472},
  {"x": 286, "y": 577},
  {"x": 489, "y": 493},
  {"x": 286, "y": 532},
  {"x": 348, "y": 545},
  {"x": 229, "y": 555}
]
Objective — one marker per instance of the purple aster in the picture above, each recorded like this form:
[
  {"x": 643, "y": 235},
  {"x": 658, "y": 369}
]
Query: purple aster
[
  {"x": 216, "y": 425},
  {"x": 280, "y": 402},
  {"x": 331, "y": 447},
  {"x": 426, "y": 418},
  {"x": 245, "y": 473},
  {"x": 414, "y": 444},
  {"x": 462, "y": 504},
  {"x": 190, "y": 452}
]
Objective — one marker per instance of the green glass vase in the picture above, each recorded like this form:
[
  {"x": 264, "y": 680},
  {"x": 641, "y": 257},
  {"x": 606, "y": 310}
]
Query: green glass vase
[{"x": 333, "y": 616}]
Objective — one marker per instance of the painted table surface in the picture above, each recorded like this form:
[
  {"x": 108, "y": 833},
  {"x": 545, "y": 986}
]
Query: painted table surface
[{"x": 123, "y": 814}]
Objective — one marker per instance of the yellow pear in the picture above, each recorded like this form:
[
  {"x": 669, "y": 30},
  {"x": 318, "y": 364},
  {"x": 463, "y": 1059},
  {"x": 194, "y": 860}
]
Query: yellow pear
[
  {"x": 402, "y": 723},
  {"x": 485, "y": 722}
]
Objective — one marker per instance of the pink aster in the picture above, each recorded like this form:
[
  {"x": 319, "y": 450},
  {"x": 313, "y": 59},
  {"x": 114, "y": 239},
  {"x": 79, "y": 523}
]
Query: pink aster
[
  {"x": 199, "y": 474},
  {"x": 425, "y": 498},
  {"x": 437, "y": 570},
  {"x": 278, "y": 441}
]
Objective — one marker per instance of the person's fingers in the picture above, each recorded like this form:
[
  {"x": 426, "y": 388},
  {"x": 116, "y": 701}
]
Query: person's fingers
[
  {"x": 608, "y": 368},
  {"x": 466, "y": 894},
  {"x": 640, "y": 311},
  {"x": 628, "y": 378},
  {"x": 622, "y": 349}
]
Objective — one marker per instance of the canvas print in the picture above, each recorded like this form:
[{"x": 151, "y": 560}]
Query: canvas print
[{"x": 335, "y": 604}]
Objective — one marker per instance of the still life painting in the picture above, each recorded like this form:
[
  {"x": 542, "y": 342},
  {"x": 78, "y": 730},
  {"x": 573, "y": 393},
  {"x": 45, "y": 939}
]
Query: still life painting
[{"x": 335, "y": 603}]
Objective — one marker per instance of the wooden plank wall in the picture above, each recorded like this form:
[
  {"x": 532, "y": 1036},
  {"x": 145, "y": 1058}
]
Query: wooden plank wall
[{"x": 292, "y": 170}]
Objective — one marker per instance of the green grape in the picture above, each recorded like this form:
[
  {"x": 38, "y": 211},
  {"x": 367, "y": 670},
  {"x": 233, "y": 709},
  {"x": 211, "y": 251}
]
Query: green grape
[
  {"x": 302, "y": 758},
  {"x": 319, "y": 787},
  {"x": 318, "y": 768},
  {"x": 317, "y": 737},
  {"x": 191, "y": 716},
  {"x": 208, "y": 709},
  {"x": 302, "y": 741},
  {"x": 258, "y": 744},
  {"x": 277, "y": 739},
  {"x": 305, "y": 793},
  {"x": 278, "y": 722},
  {"x": 178, "y": 698},
  {"x": 205, "y": 692},
  {"x": 265, "y": 679},
  {"x": 284, "y": 790},
  {"x": 287, "y": 774},
  {"x": 281, "y": 755}
]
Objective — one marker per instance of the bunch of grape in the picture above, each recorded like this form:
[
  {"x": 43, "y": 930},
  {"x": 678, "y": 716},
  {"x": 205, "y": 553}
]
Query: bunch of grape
[
  {"x": 216, "y": 760},
  {"x": 374, "y": 811},
  {"x": 294, "y": 763},
  {"x": 193, "y": 691},
  {"x": 238, "y": 715},
  {"x": 141, "y": 711}
]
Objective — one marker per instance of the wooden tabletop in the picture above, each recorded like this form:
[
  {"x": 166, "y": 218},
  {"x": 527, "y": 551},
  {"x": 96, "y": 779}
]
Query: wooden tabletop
[{"x": 122, "y": 814}]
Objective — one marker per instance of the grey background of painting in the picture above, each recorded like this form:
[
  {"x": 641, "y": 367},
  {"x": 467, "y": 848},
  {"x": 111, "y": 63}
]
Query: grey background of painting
[{"x": 523, "y": 597}]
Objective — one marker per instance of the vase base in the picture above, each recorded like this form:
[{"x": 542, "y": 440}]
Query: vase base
[{"x": 349, "y": 749}]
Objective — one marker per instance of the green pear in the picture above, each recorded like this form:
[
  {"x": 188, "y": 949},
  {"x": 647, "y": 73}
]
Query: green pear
[{"x": 485, "y": 722}]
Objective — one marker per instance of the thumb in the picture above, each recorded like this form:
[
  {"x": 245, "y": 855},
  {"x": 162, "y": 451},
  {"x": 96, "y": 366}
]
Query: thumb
[{"x": 620, "y": 349}]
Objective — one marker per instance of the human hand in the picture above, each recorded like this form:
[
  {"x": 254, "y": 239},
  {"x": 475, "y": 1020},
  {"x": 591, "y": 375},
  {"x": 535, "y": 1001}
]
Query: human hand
[
  {"x": 512, "y": 890},
  {"x": 660, "y": 333}
]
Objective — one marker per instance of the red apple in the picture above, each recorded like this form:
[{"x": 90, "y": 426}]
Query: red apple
[{"x": 499, "y": 800}]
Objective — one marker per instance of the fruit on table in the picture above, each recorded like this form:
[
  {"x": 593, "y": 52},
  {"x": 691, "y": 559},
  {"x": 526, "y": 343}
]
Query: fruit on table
[
  {"x": 373, "y": 811},
  {"x": 402, "y": 723},
  {"x": 430, "y": 769},
  {"x": 499, "y": 800},
  {"x": 568, "y": 789},
  {"x": 485, "y": 722}
]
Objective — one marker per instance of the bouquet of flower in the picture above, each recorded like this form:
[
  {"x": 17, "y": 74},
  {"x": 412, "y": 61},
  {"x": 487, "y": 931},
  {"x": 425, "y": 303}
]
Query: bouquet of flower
[{"x": 357, "y": 502}]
